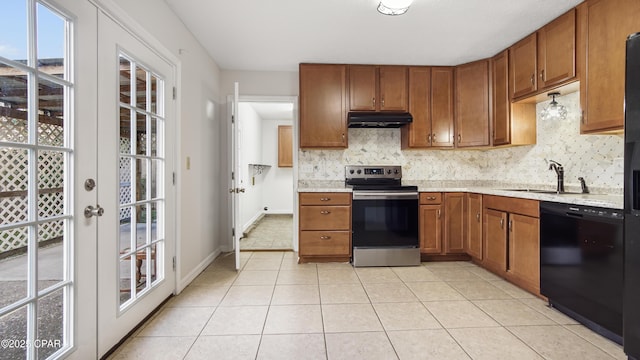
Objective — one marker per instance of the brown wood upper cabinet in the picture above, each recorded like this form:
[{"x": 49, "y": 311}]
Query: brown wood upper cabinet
[
  {"x": 472, "y": 104},
  {"x": 544, "y": 59},
  {"x": 513, "y": 124},
  {"x": 378, "y": 88},
  {"x": 431, "y": 105},
  {"x": 323, "y": 106},
  {"x": 605, "y": 25}
]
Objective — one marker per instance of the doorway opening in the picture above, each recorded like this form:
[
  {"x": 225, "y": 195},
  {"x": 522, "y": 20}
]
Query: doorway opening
[{"x": 265, "y": 155}]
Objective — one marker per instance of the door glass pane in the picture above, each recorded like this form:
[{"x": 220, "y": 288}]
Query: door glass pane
[
  {"x": 141, "y": 226},
  {"x": 155, "y": 169},
  {"x": 154, "y": 221},
  {"x": 125, "y": 80},
  {"x": 154, "y": 95},
  {"x": 141, "y": 134},
  {"x": 141, "y": 88},
  {"x": 154, "y": 136},
  {"x": 141, "y": 179},
  {"x": 50, "y": 118},
  {"x": 50, "y": 183},
  {"x": 153, "y": 266},
  {"x": 50, "y": 323},
  {"x": 125, "y": 180},
  {"x": 125, "y": 131},
  {"x": 13, "y": 104},
  {"x": 125, "y": 279},
  {"x": 14, "y": 265},
  {"x": 14, "y": 326},
  {"x": 14, "y": 22},
  {"x": 125, "y": 230},
  {"x": 50, "y": 253},
  {"x": 51, "y": 28}
]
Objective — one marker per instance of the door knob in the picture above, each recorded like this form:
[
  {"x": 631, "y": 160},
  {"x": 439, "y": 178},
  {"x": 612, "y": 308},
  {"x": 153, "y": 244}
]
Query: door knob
[{"x": 90, "y": 211}]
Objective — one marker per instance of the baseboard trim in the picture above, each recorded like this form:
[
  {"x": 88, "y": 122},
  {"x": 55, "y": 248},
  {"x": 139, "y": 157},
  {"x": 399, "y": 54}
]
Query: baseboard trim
[{"x": 193, "y": 274}]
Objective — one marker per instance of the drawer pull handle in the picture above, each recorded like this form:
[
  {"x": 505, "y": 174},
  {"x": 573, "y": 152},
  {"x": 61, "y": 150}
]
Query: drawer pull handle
[
  {"x": 325, "y": 212},
  {"x": 325, "y": 199},
  {"x": 324, "y": 237},
  {"x": 478, "y": 216}
]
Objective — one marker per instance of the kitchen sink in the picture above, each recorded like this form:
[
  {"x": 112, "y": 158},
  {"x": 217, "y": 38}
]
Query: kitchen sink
[{"x": 537, "y": 191}]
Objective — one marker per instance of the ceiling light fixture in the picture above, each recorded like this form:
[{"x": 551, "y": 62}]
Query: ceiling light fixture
[
  {"x": 394, "y": 7},
  {"x": 554, "y": 111}
]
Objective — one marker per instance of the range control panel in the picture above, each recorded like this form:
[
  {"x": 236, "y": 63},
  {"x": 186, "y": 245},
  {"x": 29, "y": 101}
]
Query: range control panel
[{"x": 373, "y": 172}]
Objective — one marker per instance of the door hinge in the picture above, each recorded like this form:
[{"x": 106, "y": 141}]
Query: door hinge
[
  {"x": 174, "y": 92},
  {"x": 233, "y": 231},
  {"x": 233, "y": 175},
  {"x": 233, "y": 119},
  {"x": 174, "y": 177},
  {"x": 174, "y": 263}
]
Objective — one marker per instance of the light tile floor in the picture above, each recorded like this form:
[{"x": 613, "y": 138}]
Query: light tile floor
[
  {"x": 275, "y": 308},
  {"x": 271, "y": 232}
]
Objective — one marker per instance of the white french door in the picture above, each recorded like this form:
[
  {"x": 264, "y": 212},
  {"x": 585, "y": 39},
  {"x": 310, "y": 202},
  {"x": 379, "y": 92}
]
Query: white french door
[
  {"x": 136, "y": 147},
  {"x": 236, "y": 178}
]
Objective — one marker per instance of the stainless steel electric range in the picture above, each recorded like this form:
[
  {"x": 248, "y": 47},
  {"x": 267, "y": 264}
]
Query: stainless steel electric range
[{"x": 384, "y": 217}]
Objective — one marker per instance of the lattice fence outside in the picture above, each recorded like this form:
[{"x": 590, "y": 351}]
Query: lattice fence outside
[{"x": 13, "y": 183}]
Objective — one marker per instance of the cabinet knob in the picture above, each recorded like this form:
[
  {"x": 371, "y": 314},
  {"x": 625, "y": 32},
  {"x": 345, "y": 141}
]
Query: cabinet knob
[
  {"x": 510, "y": 225},
  {"x": 324, "y": 237},
  {"x": 374, "y": 102},
  {"x": 542, "y": 74},
  {"x": 501, "y": 223},
  {"x": 325, "y": 212},
  {"x": 439, "y": 213},
  {"x": 459, "y": 139},
  {"x": 533, "y": 78},
  {"x": 325, "y": 199},
  {"x": 429, "y": 138},
  {"x": 478, "y": 216},
  {"x": 382, "y": 102}
]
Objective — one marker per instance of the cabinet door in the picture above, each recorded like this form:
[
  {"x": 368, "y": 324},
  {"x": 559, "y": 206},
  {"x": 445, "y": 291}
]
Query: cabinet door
[
  {"x": 524, "y": 250},
  {"x": 418, "y": 133},
  {"x": 323, "y": 106},
  {"x": 495, "y": 240},
  {"x": 454, "y": 222},
  {"x": 285, "y": 146},
  {"x": 393, "y": 88},
  {"x": 442, "y": 107},
  {"x": 362, "y": 87},
  {"x": 523, "y": 67},
  {"x": 557, "y": 51},
  {"x": 472, "y": 104},
  {"x": 500, "y": 99},
  {"x": 474, "y": 226},
  {"x": 602, "y": 86},
  {"x": 431, "y": 229}
]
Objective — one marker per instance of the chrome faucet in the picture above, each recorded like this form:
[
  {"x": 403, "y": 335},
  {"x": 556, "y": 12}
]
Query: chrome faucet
[{"x": 560, "y": 172}]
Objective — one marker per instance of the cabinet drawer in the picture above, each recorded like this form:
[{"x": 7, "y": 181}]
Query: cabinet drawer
[
  {"x": 320, "y": 243},
  {"x": 325, "y": 217},
  {"x": 325, "y": 198},
  {"x": 428, "y": 198}
]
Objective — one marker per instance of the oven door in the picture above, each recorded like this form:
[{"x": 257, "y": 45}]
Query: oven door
[{"x": 385, "y": 219}]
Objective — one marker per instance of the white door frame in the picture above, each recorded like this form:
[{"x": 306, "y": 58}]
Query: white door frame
[{"x": 230, "y": 149}]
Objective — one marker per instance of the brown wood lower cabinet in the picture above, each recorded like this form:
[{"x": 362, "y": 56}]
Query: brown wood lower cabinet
[
  {"x": 442, "y": 224},
  {"x": 512, "y": 240},
  {"x": 325, "y": 227},
  {"x": 473, "y": 243}
]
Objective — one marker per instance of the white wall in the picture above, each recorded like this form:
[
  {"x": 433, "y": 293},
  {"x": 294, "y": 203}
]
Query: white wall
[
  {"x": 250, "y": 143},
  {"x": 200, "y": 195},
  {"x": 277, "y": 195}
]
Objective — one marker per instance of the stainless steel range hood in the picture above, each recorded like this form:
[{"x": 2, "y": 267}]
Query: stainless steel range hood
[{"x": 378, "y": 120}]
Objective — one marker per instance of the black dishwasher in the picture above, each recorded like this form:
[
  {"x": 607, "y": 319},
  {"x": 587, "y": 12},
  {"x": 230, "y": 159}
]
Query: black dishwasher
[{"x": 581, "y": 264}]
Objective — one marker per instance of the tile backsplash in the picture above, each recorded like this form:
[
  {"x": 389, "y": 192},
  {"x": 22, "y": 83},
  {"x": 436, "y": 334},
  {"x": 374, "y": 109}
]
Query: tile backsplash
[{"x": 597, "y": 158}]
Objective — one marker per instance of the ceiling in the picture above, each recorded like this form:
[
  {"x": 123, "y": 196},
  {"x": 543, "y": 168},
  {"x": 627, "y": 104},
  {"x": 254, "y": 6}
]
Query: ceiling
[
  {"x": 277, "y": 35},
  {"x": 273, "y": 110}
]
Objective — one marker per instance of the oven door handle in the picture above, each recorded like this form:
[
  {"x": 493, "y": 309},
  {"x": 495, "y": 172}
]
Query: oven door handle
[{"x": 381, "y": 195}]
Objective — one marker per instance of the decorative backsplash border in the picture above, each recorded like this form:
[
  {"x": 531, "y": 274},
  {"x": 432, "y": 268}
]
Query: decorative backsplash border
[{"x": 597, "y": 158}]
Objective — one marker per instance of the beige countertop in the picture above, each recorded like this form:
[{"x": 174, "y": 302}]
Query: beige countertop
[{"x": 609, "y": 198}]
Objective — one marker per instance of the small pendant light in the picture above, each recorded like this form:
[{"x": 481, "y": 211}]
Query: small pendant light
[
  {"x": 554, "y": 111},
  {"x": 394, "y": 7}
]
